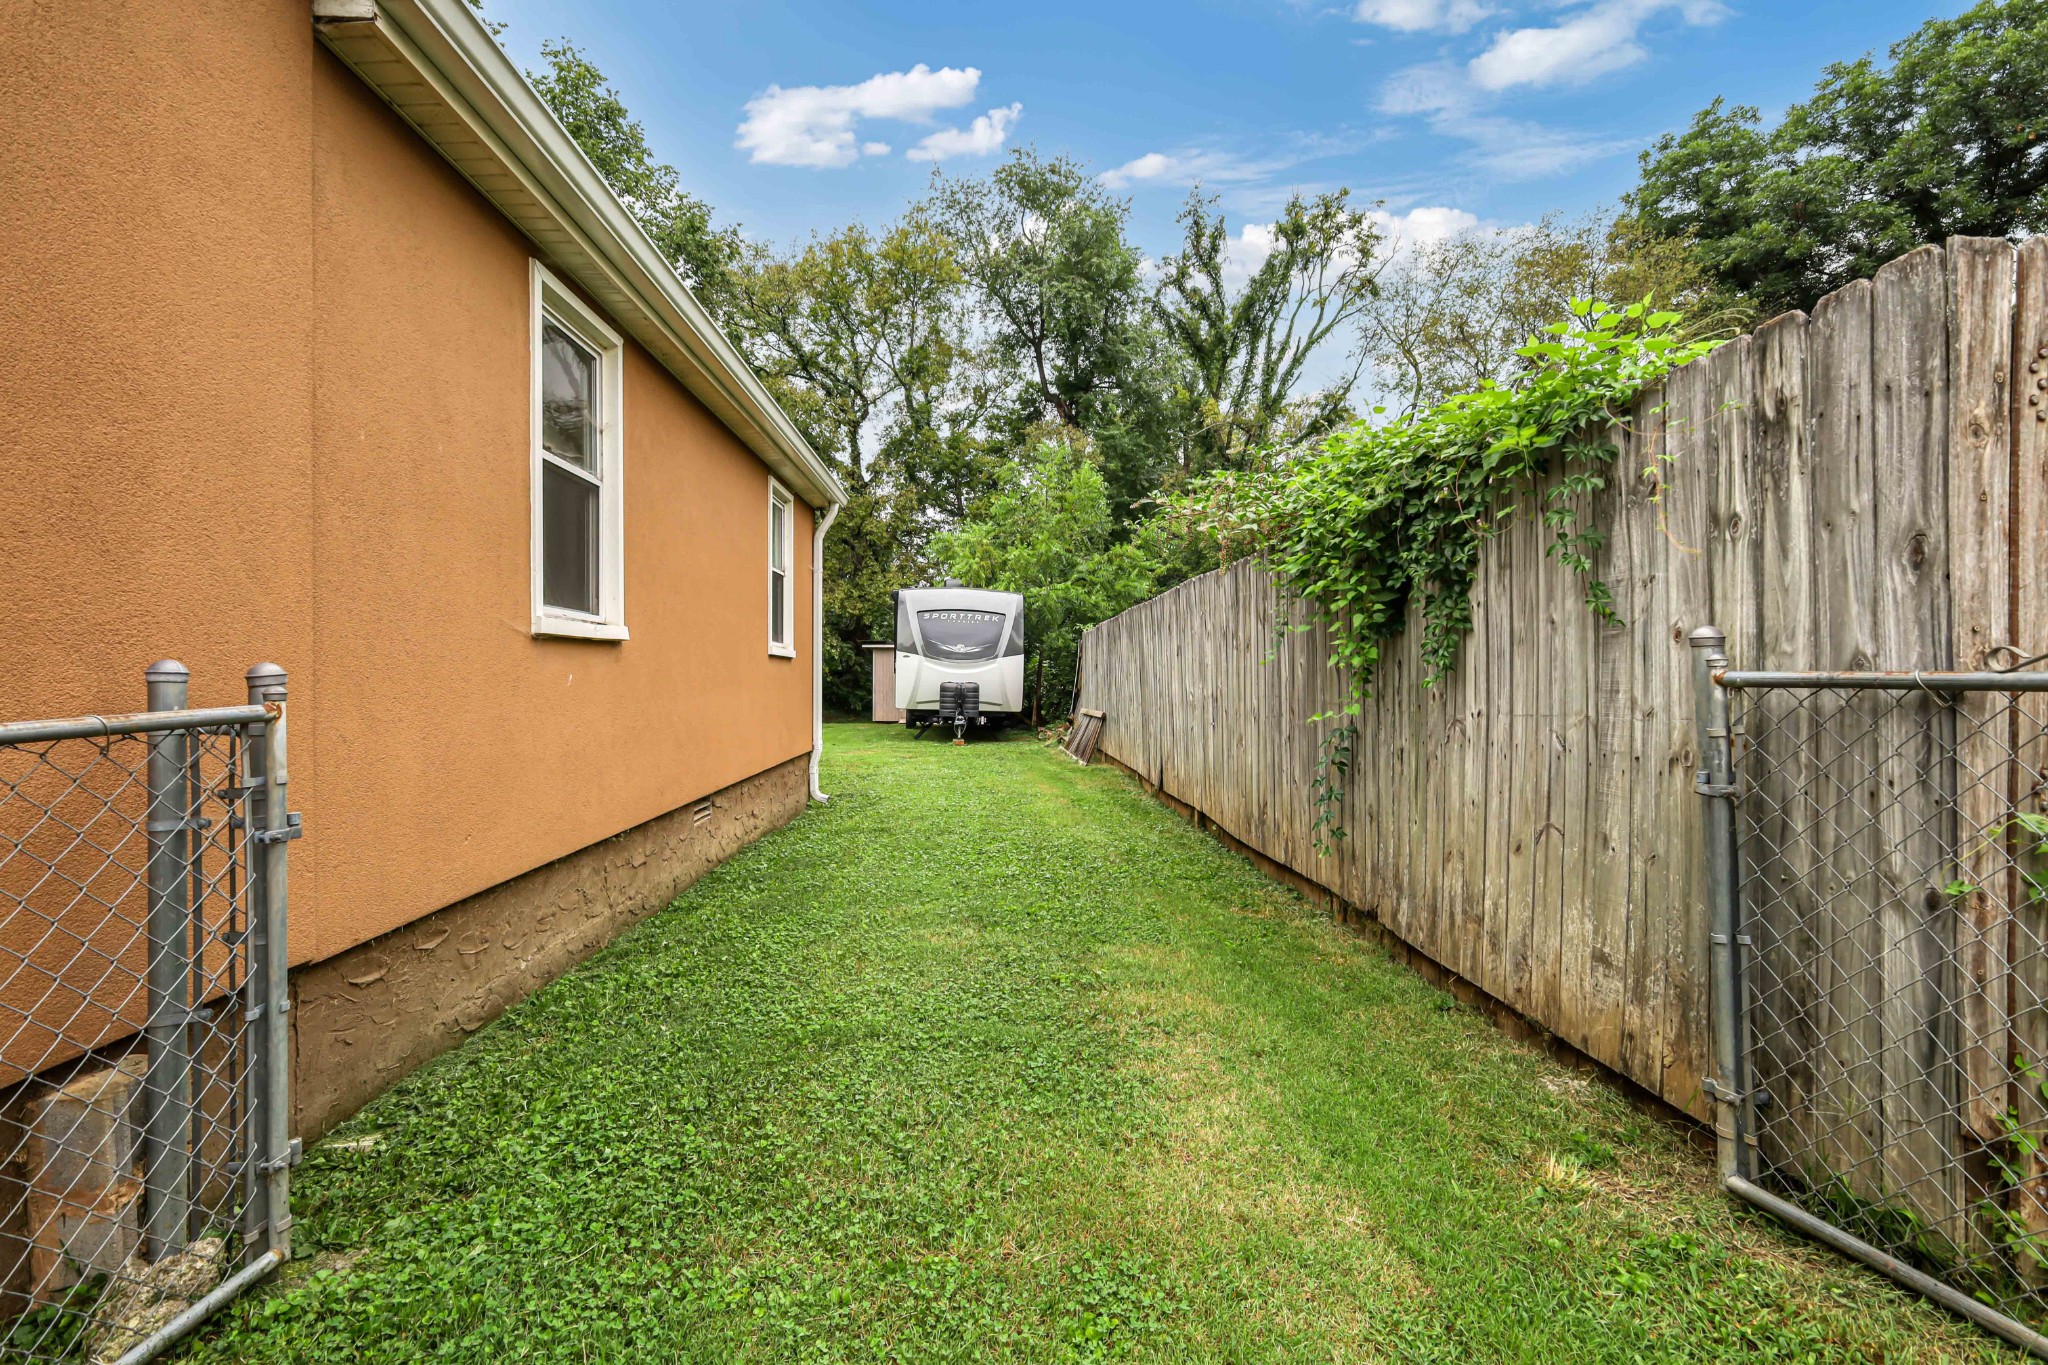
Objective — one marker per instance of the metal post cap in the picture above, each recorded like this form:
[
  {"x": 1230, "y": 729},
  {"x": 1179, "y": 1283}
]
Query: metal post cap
[
  {"x": 1707, "y": 637},
  {"x": 167, "y": 670},
  {"x": 266, "y": 676}
]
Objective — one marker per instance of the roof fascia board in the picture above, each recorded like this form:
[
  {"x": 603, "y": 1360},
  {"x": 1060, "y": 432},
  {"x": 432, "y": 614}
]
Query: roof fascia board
[{"x": 432, "y": 59}]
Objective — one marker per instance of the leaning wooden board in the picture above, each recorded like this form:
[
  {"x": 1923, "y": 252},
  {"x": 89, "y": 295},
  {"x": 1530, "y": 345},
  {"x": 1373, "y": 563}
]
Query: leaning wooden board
[{"x": 1081, "y": 739}]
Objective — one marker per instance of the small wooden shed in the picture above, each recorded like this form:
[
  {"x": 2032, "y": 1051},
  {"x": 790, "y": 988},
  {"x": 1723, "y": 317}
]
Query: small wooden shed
[{"x": 884, "y": 709}]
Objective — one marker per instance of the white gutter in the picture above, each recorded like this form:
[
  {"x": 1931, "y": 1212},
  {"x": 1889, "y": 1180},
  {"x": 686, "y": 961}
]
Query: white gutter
[{"x": 818, "y": 647}]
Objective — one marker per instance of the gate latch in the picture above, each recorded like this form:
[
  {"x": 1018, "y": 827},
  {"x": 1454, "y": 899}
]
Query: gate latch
[
  {"x": 1728, "y": 1094},
  {"x": 292, "y": 830},
  {"x": 1706, "y": 787},
  {"x": 293, "y": 1155}
]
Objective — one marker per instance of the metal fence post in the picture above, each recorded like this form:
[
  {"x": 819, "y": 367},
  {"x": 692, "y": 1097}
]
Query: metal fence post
[
  {"x": 1716, "y": 785},
  {"x": 271, "y": 829},
  {"x": 167, "y": 1101},
  {"x": 255, "y": 987}
]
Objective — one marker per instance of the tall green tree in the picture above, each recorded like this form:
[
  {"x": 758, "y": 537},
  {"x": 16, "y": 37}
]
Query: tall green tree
[
  {"x": 864, "y": 337},
  {"x": 1242, "y": 351},
  {"x": 1063, "y": 295},
  {"x": 680, "y": 224},
  {"x": 1045, "y": 247},
  {"x": 1050, "y": 533},
  {"x": 1947, "y": 140},
  {"x": 1450, "y": 316}
]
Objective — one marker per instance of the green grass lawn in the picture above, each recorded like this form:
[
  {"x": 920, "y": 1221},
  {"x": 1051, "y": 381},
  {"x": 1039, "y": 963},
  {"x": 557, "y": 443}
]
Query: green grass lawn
[{"x": 993, "y": 1057}]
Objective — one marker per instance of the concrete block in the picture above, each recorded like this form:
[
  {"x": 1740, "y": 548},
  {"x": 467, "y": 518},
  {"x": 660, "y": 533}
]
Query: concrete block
[{"x": 83, "y": 1186}]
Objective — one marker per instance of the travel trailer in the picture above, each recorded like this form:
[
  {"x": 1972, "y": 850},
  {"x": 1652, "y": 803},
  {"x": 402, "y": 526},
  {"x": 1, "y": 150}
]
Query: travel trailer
[{"x": 959, "y": 657}]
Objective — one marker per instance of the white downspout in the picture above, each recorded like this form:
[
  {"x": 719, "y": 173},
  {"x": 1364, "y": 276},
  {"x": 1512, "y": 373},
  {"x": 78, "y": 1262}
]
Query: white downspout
[{"x": 818, "y": 647}]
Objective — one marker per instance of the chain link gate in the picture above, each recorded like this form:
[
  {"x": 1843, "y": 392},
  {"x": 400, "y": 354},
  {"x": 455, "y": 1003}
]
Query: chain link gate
[
  {"x": 1877, "y": 872},
  {"x": 144, "y": 1053}
]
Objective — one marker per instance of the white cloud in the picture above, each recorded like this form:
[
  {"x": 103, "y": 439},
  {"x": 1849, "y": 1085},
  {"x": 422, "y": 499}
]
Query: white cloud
[
  {"x": 1151, "y": 166},
  {"x": 1511, "y": 149},
  {"x": 1420, "y": 226},
  {"x": 1423, "y": 226},
  {"x": 813, "y": 125},
  {"x": 1507, "y": 148},
  {"x": 1247, "y": 251},
  {"x": 1457, "y": 101},
  {"x": 1599, "y": 39},
  {"x": 1189, "y": 165},
  {"x": 986, "y": 134},
  {"x": 874, "y": 149},
  {"x": 1422, "y": 16},
  {"x": 1502, "y": 148},
  {"x": 1433, "y": 88}
]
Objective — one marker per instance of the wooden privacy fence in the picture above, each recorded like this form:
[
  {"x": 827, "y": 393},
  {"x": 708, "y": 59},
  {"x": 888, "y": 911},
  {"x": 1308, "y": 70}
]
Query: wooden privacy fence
[{"x": 1865, "y": 488}]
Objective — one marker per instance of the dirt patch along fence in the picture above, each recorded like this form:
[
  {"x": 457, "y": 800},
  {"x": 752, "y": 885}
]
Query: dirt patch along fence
[{"x": 1864, "y": 488}]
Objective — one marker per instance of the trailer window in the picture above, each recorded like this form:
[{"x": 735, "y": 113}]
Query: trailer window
[{"x": 960, "y": 636}]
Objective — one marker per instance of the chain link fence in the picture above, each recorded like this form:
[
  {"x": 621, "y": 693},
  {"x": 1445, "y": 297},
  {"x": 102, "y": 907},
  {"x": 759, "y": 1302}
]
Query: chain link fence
[
  {"x": 1877, "y": 851},
  {"x": 143, "y": 1053}
]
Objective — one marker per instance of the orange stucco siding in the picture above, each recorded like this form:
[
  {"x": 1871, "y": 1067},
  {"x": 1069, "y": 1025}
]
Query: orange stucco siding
[{"x": 269, "y": 381}]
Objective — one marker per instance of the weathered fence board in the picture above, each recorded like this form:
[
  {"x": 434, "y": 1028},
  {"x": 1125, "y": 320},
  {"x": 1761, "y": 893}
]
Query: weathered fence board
[
  {"x": 1500, "y": 767},
  {"x": 1868, "y": 488},
  {"x": 1845, "y": 542},
  {"x": 1979, "y": 355},
  {"x": 1783, "y": 479},
  {"x": 1911, "y": 621},
  {"x": 1687, "y": 603},
  {"x": 1613, "y": 779},
  {"x": 2028, "y": 389},
  {"x": 1642, "y": 1018}
]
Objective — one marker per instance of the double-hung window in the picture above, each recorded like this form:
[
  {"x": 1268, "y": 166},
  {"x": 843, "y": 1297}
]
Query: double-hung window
[
  {"x": 578, "y": 468},
  {"x": 780, "y": 638}
]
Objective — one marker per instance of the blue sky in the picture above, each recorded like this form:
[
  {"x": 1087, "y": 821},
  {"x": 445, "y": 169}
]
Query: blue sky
[{"x": 794, "y": 115}]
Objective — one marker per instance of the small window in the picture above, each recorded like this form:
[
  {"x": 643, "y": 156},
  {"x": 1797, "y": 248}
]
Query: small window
[
  {"x": 578, "y": 474},
  {"x": 778, "y": 572}
]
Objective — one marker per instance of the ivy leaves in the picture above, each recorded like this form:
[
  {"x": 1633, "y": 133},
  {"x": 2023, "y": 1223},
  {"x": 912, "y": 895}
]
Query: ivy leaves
[{"x": 1382, "y": 517}]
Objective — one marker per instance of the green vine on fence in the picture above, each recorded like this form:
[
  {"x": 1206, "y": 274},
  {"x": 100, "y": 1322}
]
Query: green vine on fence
[{"x": 1382, "y": 515}]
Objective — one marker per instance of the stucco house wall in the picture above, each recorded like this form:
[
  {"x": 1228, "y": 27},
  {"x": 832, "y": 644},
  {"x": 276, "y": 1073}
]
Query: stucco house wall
[{"x": 268, "y": 378}]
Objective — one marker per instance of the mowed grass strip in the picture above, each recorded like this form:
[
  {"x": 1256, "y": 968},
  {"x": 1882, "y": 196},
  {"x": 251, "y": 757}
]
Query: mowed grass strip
[{"x": 994, "y": 1058}]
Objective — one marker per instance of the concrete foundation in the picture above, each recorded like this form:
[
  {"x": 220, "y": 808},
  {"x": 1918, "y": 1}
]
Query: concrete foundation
[{"x": 368, "y": 1016}]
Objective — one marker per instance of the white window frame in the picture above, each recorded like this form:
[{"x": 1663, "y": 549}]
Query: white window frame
[
  {"x": 555, "y": 302},
  {"x": 779, "y": 496}
]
